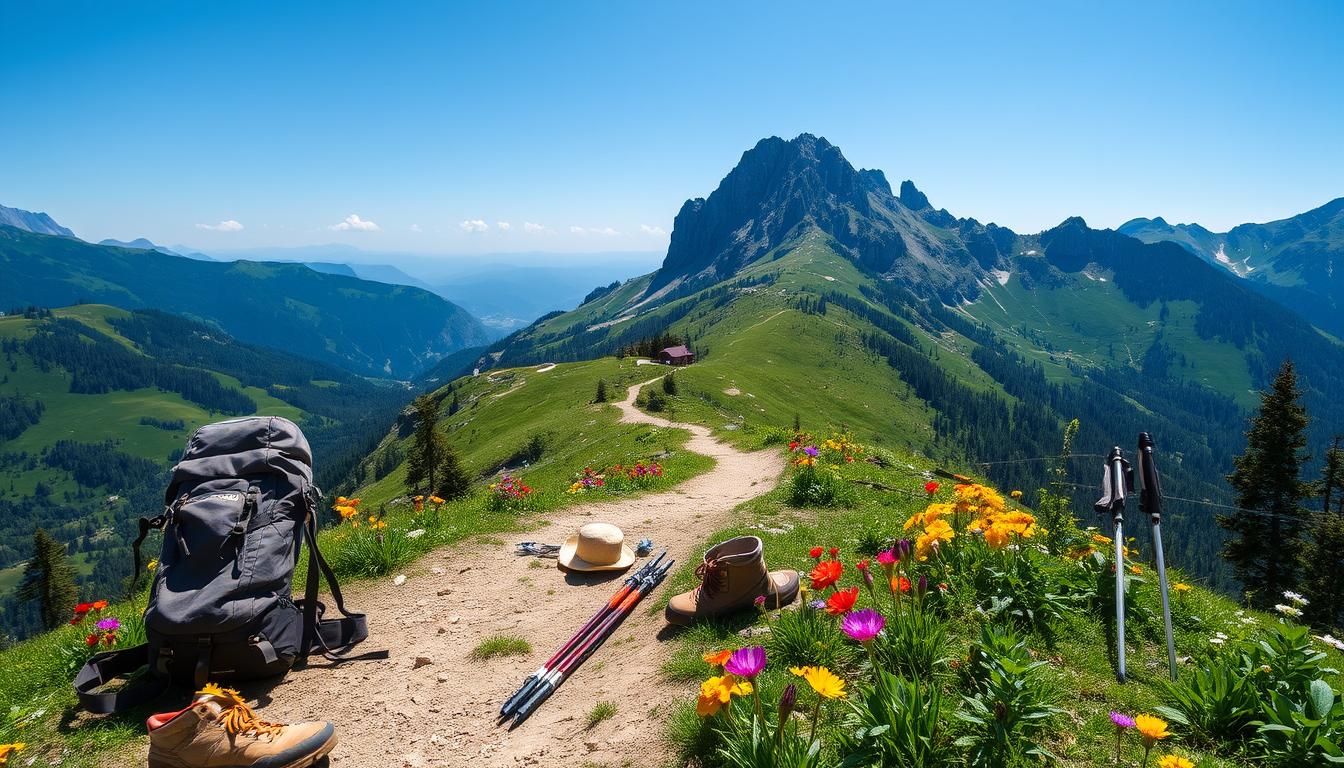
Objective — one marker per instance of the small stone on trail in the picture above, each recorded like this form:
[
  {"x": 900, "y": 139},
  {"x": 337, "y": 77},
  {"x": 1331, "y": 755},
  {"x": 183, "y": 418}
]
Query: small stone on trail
[
  {"x": 421, "y": 661},
  {"x": 437, "y": 571},
  {"x": 455, "y": 619},
  {"x": 401, "y": 579},
  {"x": 443, "y": 592}
]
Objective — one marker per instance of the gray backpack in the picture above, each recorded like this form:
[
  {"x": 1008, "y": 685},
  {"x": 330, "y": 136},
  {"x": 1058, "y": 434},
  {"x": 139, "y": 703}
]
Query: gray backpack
[{"x": 238, "y": 509}]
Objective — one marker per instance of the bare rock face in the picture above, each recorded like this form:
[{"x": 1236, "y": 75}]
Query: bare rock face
[{"x": 781, "y": 190}]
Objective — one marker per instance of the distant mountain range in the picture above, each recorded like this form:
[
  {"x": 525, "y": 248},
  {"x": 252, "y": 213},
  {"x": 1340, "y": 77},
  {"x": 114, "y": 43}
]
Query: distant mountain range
[
  {"x": 367, "y": 327},
  {"x": 1298, "y": 261},
  {"x": 808, "y": 289},
  {"x": 28, "y": 221},
  {"x": 145, "y": 245}
]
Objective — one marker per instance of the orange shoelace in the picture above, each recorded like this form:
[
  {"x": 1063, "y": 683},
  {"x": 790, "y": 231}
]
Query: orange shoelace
[{"x": 237, "y": 717}]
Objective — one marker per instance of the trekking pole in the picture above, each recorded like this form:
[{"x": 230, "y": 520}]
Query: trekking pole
[
  {"x": 1150, "y": 501},
  {"x": 1113, "y": 489},
  {"x": 581, "y": 653},
  {"x": 532, "y": 680}
]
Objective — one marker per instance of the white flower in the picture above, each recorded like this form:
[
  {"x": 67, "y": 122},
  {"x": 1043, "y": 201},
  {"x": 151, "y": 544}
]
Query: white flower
[
  {"x": 1331, "y": 641},
  {"x": 1217, "y": 640},
  {"x": 417, "y": 533},
  {"x": 1288, "y": 610},
  {"x": 1296, "y": 598},
  {"x": 1247, "y": 620},
  {"x": 1220, "y": 635},
  {"x": 401, "y": 579}
]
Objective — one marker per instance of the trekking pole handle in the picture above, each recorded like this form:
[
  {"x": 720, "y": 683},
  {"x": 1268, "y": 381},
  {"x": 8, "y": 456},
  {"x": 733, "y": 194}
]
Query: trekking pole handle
[{"x": 1150, "y": 493}]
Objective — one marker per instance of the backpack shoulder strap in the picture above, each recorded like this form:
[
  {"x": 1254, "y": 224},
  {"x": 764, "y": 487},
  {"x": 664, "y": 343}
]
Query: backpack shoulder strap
[
  {"x": 333, "y": 638},
  {"x": 106, "y": 667}
]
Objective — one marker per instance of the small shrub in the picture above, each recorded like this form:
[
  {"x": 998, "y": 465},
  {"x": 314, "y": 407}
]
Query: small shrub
[
  {"x": 1006, "y": 708},
  {"x": 1216, "y": 702},
  {"x": 655, "y": 401},
  {"x": 895, "y": 722},
  {"x": 914, "y": 644},
  {"x": 602, "y": 710},
  {"x": 670, "y": 384},
  {"x": 808, "y": 636},
  {"x": 1303, "y": 730},
  {"x": 372, "y": 551},
  {"x": 501, "y": 645}
]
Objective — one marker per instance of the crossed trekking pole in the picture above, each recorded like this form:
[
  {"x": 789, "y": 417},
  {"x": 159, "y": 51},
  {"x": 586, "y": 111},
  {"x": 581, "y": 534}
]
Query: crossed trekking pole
[
  {"x": 1117, "y": 479},
  {"x": 541, "y": 684}
]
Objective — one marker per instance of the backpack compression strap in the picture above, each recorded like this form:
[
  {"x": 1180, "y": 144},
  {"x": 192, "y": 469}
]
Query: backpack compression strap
[{"x": 106, "y": 667}]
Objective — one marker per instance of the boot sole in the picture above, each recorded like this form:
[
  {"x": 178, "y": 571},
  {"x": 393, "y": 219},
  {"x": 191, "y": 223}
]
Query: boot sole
[{"x": 303, "y": 762}]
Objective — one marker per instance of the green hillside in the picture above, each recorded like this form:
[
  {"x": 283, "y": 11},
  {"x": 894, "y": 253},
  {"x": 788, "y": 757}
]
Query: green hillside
[
  {"x": 369, "y": 328},
  {"x": 95, "y": 403}
]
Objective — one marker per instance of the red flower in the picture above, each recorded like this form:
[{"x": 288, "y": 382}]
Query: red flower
[
  {"x": 91, "y": 640},
  {"x": 931, "y": 487},
  {"x": 842, "y": 601},
  {"x": 83, "y": 608},
  {"x": 826, "y": 573},
  {"x": 793, "y": 445},
  {"x": 815, "y": 553},
  {"x": 900, "y": 584},
  {"x": 862, "y": 565},
  {"x": 835, "y": 551}
]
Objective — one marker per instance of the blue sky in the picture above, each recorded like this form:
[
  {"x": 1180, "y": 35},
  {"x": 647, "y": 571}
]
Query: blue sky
[{"x": 593, "y": 122}]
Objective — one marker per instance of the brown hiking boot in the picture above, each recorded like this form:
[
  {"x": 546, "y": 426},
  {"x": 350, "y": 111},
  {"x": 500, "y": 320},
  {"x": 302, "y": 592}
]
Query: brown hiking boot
[
  {"x": 732, "y": 576},
  {"x": 219, "y": 730}
]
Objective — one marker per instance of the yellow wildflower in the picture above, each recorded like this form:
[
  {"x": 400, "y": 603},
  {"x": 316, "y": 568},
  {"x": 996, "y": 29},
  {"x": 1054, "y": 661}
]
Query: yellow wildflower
[
  {"x": 718, "y": 691},
  {"x": 823, "y": 681},
  {"x": 435, "y": 500},
  {"x": 1181, "y": 587},
  {"x": 152, "y": 565},
  {"x": 1097, "y": 538},
  {"x": 1016, "y": 494},
  {"x": 996, "y": 537},
  {"x": 1174, "y": 761},
  {"x": 1136, "y": 570},
  {"x": 1151, "y": 728},
  {"x": 8, "y": 749}
]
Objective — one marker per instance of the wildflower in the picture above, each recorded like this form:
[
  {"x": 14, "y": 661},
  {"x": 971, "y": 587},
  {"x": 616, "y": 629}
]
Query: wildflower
[
  {"x": 435, "y": 500},
  {"x": 91, "y": 640},
  {"x": 1181, "y": 587},
  {"x": 900, "y": 584},
  {"x": 99, "y": 605},
  {"x": 863, "y": 625},
  {"x": 6, "y": 750},
  {"x": 825, "y": 574},
  {"x": 1295, "y": 598},
  {"x": 1136, "y": 570},
  {"x": 786, "y": 702},
  {"x": 817, "y": 605},
  {"x": 1288, "y": 610},
  {"x": 718, "y": 658},
  {"x": 1016, "y": 494},
  {"x": 842, "y": 601},
  {"x": 932, "y": 487},
  {"x": 822, "y": 680},
  {"x": 862, "y": 565},
  {"x": 759, "y": 602},
  {"x": 1122, "y": 720},
  {"x": 1174, "y": 761},
  {"x": 152, "y": 565},
  {"x": 1331, "y": 641},
  {"x": 1152, "y": 729},
  {"x": 718, "y": 691},
  {"x": 834, "y": 552},
  {"x": 887, "y": 559},
  {"x": 746, "y": 662},
  {"x": 1097, "y": 538},
  {"x": 110, "y": 624},
  {"x": 417, "y": 533},
  {"x": 811, "y": 451},
  {"x": 1217, "y": 640},
  {"x": 815, "y": 553}
]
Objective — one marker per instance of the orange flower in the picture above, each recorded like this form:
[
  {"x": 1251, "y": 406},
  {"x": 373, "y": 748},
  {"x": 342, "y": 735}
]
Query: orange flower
[
  {"x": 718, "y": 658},
  {"x": 900, "y": 584},
  {"x": 826, "y": 573},
  {"x": 99, "y": 605},
  {"x": 842, "y": 601}
]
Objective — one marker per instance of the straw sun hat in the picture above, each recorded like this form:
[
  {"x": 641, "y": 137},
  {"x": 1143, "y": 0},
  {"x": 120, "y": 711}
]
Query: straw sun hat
[{"x": 596, "y": 547}]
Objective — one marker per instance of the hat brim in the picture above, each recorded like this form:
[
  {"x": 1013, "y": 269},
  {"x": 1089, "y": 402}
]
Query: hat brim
[{"x": 570, "y": 560}]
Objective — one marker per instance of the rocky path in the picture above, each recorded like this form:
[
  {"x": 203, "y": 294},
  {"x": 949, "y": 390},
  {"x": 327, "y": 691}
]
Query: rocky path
[{"x": 407, "y": 713}]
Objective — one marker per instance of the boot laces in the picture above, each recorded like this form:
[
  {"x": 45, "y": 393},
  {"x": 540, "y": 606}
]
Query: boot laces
[
  {"x": 236, "y": 717},
  {"x": 713, "y": 577}
]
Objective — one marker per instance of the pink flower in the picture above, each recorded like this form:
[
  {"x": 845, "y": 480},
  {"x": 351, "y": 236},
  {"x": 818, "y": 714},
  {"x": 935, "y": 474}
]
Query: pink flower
[
  {"x": 863, "y": 625},
  {"x": 109, "y": 624},
  {"x": 746, "y": 662}
]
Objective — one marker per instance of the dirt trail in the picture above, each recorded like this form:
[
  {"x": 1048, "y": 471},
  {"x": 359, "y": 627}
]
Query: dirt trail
[{"x": 391, "y": 714}]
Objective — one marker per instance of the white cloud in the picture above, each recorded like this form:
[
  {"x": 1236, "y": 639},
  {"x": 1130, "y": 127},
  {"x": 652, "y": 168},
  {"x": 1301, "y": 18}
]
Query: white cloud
[
  {"x": 646, "y": 229},
  {"x": 504, "y": 226},
  {"x": 228, "y": 225},
  {"x": 605, "y": 231},
  {"x": 416, "y": 228},
  {"x": 532, "y": 227},
  {"x": 354, "y": 222},
  {"x": 474, "y": 225}
]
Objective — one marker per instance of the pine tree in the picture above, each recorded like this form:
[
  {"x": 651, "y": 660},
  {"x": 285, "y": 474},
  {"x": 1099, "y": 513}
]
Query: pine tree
[
  {"x": 454, "y": 406},
  {"x": 454, "y": 482},
  {"x": 1267, "y": 543},
  {"x": 427, "y": 445},
  {"x": 49, "y": 579},
  {"x": 1323, "y": 563},
  {"x": 601, "y": 396}
]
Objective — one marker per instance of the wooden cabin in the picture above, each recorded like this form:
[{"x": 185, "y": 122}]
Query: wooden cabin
[{"x": 679, "y": 355}]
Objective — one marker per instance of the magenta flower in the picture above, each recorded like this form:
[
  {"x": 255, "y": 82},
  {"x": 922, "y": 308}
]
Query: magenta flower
[
  {"x": 746, "y": 662},
  {"x": 887, "y": 558},
  {"x": 811, "y": 450},
  {"x": 1121, "y": 720},
  {"x": 863, "y": 625},
  {"x": 108, "y": 625}
]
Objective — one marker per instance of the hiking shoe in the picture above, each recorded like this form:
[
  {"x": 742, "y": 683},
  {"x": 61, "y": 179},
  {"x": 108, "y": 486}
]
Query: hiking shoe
[
  {"x": 219, "y": 730},
  {"x": 732, "y": 576}
]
